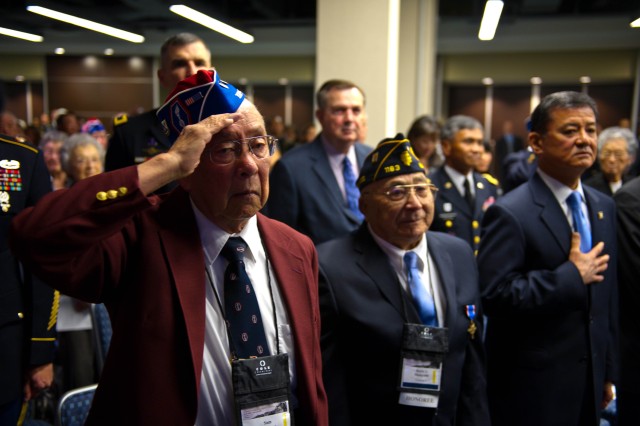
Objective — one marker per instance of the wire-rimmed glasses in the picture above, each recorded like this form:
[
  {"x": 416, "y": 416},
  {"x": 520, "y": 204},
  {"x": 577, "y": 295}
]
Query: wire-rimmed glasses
[
  {"x": 226, "y": 152},
  {"x": 401, "y": 192}
]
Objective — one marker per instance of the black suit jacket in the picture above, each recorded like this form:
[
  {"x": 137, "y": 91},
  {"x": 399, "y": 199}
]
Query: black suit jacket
[
  {"x": 134, "y": 141},
  {"x": 361, "y": 303},
  {"x": 28, "y": 308},
  {"x": 627, "y": 200},
  {"x": 305, "y": 195},
  {"x": 501, "y": 152},
  {"x": 549, "y": 338},
  {"x": 598, "y": 181}
]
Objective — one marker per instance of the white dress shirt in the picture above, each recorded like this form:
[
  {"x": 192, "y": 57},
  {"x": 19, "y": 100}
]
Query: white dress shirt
[
  {"x": 428, "y": 272},
  {"x": 215, "y": 400}
]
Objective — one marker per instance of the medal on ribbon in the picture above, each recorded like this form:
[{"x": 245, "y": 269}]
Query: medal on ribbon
[{"x": 471, "y": 314}]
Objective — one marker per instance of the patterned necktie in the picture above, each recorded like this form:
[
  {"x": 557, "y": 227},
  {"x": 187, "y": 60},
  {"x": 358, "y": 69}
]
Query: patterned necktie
[
  {"x": 468, "y": 195},
  {"x": 580, "y": 223},
  {"x": 422, "y": 299},
  {"x": 242, "y": 312},
  {"x": 351, "y": 189}
]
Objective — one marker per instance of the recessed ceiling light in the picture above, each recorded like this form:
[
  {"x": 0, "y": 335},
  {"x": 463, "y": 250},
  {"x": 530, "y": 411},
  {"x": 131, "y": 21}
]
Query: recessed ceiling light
[
  {"x": 59, "y": 51},
  {"x": 109, "y": 51}
]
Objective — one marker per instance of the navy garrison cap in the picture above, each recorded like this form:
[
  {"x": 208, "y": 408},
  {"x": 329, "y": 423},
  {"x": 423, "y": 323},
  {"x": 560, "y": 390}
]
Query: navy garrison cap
[
  {"x": 196, "y": 98},
  {"x": 392, "y": 157}
]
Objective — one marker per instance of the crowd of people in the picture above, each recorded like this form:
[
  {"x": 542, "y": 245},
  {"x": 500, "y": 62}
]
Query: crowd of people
[{"x": 438, "y": 278}]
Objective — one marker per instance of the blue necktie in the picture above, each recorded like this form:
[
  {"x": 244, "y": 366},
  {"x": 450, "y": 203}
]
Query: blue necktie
[
  {"x": 580, "y": 222},
  {"x": 353, "y": 194},
  {"x": 422, "y": 299},
  {"x": 242, "y": 312}
]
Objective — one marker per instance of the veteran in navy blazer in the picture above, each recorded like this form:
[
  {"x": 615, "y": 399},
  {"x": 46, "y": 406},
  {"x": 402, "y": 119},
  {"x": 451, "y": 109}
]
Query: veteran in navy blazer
[
  {"x": 462, "y": 139},
  {"x": 365, "y": 302},
  {"x": 551, "y": 305},
  {"x": 307, "y": 185}
]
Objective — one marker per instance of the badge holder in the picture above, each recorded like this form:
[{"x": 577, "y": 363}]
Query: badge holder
[
  {"x": 423, "y": 351},
  {"x": 261, "y": 391}
]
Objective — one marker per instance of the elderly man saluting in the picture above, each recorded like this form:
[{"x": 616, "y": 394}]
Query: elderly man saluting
[
  {"x": 205, "y": 294},
  {"x": 401, "y": 318}
]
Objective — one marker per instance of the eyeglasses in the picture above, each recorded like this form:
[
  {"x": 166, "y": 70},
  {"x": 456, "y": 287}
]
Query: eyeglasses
[
  {"x": 401, "y": 192},
  {"x": 226, "y": 152},
  {"x": 618, "y": 155}
]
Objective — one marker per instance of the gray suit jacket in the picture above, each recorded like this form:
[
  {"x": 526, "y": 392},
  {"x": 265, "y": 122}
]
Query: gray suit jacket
[
  {"x": 305, "y": 195},
  {"x": 363, "y": 313}
]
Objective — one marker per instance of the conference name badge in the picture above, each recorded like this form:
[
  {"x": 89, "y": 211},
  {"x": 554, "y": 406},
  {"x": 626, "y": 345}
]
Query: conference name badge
[{"x": 423, "y": 351}]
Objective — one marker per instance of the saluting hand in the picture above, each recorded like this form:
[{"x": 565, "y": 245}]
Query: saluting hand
[
  {"x": 194, "y": 138},
  {"x": 184, "y": 156},
  {"x": 590, "y": 265}
]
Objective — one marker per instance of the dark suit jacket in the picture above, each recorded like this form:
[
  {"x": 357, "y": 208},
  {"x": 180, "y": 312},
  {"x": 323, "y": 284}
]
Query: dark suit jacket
[
  {"x": 452, "y": 213},
  {"x": 599, "y": 182},
  {"x": 627, "y": 200},
  {"x": 550, "y": 338},
  {"x": 135, "y": 140},
  {"x": 28, "y": 308},
  {"x": 362, "y": 322},
  {"x": 304, "y": 193},
  {"x": 501, "y": 152},
  {"x": 144, "y": 260}
]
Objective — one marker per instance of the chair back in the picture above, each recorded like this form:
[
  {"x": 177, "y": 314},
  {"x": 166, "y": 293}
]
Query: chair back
[
  {"x": 74, "y": 406},
  {"x": 101, "y": 331}
]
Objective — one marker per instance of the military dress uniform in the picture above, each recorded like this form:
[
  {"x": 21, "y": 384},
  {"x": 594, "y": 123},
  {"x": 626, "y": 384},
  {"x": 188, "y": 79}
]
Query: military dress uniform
[
  {"x": 452, "y": 213},
  {"x": 28, "y": 308},
  {"x": 135, "y": 140}
]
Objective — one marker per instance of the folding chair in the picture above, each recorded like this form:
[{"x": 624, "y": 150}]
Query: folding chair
[
  {"x": 74, "y": 406},
  {"x": 101, "y": 331}
]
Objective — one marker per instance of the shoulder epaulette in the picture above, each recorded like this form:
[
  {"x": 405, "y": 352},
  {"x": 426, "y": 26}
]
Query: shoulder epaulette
[
  {"x": 120, "y": 119},
  {"x": 6, "y": 139},
  {"x": 493, "y": 181}
]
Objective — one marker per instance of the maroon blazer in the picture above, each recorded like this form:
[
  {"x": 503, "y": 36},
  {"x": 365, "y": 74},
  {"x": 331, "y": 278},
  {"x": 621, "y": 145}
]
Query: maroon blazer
[{"x": 104, "y": 241}]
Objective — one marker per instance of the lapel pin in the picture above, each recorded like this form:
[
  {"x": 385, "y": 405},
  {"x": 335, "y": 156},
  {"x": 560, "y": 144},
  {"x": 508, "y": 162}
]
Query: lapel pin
[{"x": 600, "y": 215}]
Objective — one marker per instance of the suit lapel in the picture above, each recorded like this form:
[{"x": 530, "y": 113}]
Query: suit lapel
[
  {"x": 551, "y": 213},
  {"x": 596, "y": 214},
  {"x": 289, "y": 269},
  {"x": 444, "y": 267},
  {"x": 323, "y": 171},
  {"x": 185, "y": 258},
  {"x": 374, "y": 263}
]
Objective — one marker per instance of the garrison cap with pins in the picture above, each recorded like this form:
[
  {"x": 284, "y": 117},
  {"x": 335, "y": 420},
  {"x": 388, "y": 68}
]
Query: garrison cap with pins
[
  {"x": 195, "y": 98},
  {"x": 392, "y": 157}
]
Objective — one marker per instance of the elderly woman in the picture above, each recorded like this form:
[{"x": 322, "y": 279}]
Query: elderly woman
[
  {"x": 424, "y": 136},
  {"x": 617, "y": 149},
  {"x": 51, "y": 144},
  {"x": 82, "y": 157}
]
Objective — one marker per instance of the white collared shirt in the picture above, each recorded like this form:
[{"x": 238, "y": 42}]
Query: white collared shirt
[
  {"x": 458, "y": 180},
  {"x": 336, "y": 162},
  {"x": 561, "y": 192},
  {"x": 425, "y": 261},
  {"x": 215, "y": 400}
]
